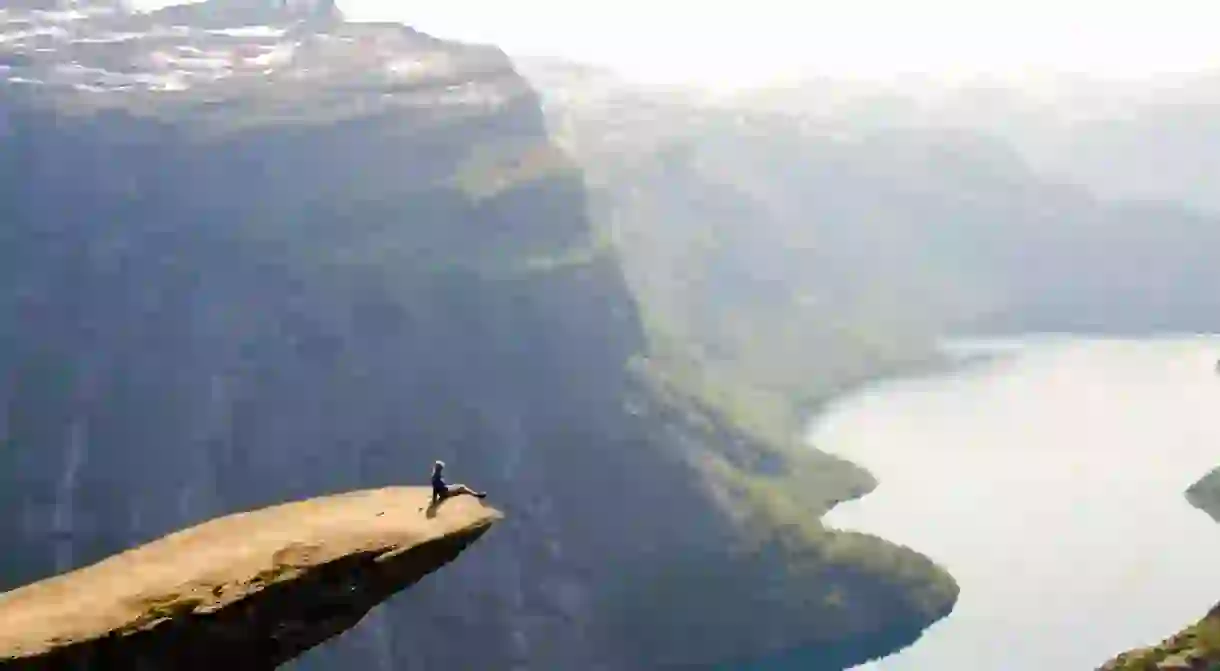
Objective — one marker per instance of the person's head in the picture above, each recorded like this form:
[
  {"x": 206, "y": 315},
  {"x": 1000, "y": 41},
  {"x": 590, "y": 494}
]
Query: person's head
[{"x": 438, "y": 466}]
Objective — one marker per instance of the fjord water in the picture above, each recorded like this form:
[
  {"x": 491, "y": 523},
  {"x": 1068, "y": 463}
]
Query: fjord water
[{"x": 1048, "y": 480}]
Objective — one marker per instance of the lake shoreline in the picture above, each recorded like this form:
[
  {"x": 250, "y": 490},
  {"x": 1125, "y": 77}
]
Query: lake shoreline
[{"x": 987, "y": 362}]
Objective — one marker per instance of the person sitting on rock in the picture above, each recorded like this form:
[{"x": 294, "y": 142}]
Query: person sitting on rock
[{"x": 442, "y": 491}]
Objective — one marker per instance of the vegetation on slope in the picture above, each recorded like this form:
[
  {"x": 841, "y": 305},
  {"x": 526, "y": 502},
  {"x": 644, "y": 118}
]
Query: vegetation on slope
[
  {"x": 785, "y": 577},
  {"x": 727, "y": 379},
  {"x": 1196, "y": 648},
  {"x": 778, "y": 259},
  {"x": 745, "y": 338}
]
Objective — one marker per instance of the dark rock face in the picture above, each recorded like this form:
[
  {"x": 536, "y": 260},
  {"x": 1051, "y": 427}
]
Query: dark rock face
[
  {"x": 268, "y": 286},
  {"x": 252, "y": 263}
]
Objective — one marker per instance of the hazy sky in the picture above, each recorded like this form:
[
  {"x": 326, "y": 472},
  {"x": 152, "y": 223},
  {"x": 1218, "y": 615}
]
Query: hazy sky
[{"x": 733, "y": 42}]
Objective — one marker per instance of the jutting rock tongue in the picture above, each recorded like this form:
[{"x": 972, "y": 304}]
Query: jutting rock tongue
[{"x": 247, "y": 591}]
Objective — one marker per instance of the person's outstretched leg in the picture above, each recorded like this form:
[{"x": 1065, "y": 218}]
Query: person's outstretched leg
[{"x": 463, "y": 489}]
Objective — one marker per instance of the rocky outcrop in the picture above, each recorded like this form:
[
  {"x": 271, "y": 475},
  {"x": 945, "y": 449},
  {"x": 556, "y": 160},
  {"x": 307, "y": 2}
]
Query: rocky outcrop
[
  {"x": 247, "y": 591},
  {"x": 1205, "y": 494},
  {"x": 1197, "y": 648}
]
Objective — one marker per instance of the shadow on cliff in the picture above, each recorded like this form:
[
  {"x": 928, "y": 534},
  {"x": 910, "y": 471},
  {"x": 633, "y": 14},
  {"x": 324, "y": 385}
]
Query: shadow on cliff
[{"x": 835, "y": 655}]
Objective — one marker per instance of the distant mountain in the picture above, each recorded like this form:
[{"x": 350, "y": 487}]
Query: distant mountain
[
  {"x": 1152, "y": 140},
  {"x": 1162, "y": 151},
  {"x": 908, "y": 228}
]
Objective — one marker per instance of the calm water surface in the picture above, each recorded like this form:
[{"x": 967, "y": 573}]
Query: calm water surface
[{"x": 1049, "y": 481}]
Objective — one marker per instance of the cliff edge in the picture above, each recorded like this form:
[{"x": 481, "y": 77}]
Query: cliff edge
[
  {"x": 1196, "y": 648},
  {"x": 246, "y": 591}
]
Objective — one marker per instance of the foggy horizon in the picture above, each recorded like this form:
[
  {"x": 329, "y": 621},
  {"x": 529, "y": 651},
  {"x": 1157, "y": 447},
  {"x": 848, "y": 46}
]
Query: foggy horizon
[{"x": 766, "y": 42}]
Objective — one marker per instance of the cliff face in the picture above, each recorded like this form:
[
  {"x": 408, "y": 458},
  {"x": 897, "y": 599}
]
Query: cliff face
[
  {"x": 248, "y": 591},
  {"x": 254, "y": 263}
]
